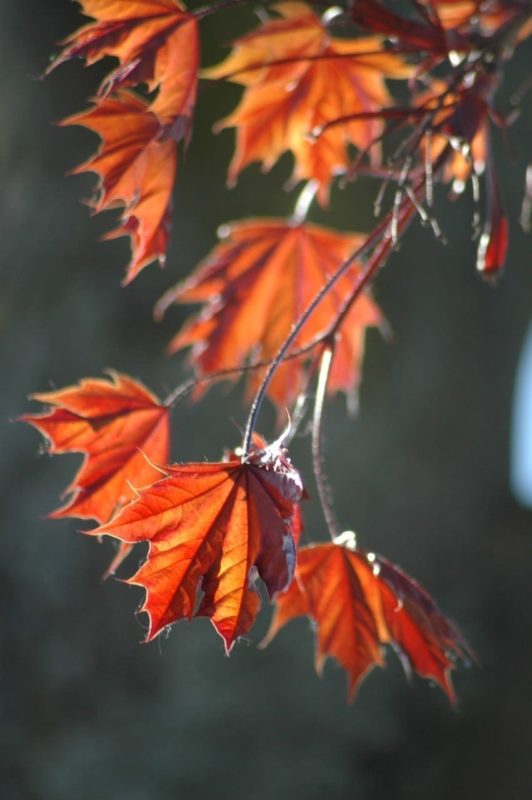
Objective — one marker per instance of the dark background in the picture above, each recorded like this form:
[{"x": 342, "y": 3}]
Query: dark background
[{"x": 422, "y": 475}]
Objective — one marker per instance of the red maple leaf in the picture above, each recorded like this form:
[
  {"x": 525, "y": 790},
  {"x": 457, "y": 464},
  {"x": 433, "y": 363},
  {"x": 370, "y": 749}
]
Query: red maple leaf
[
  {"x": 117, "y": 425},
  {"x": 298, "y": 77},
  {"x": 213, "y": 527},
  {"x": 256, "y": 285},
  {"x": 426, "y": 34},
  {"x": 360, "y": 602},
  {"x": 136, "y": 164},
  {"x": 440, "y": 27}
]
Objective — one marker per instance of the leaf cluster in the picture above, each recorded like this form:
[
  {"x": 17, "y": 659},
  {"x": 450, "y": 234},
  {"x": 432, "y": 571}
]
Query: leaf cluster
[{"x": 408, "y": 99}]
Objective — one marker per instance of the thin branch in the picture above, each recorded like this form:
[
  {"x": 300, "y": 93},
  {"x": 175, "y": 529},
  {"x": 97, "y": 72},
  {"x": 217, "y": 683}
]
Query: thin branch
[
  {"x": 370, "y": 242},
  {"x": 221, "y": 5},
  {"x": 189, "y": 385},
  {"x": 407, "y": 212},
  {"x": 380, "y": 234}
]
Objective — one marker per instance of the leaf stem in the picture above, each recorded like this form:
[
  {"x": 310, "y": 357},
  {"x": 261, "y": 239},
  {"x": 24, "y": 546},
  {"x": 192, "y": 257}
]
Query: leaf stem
[
  {"x": 304, "y": 202},
  {"x": 322, "y": 484},
  {"x": 370, "y": 242}
]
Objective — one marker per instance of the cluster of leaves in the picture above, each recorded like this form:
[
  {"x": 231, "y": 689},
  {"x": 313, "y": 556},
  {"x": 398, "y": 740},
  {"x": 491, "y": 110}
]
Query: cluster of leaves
[{"x": 283, "y": 300}]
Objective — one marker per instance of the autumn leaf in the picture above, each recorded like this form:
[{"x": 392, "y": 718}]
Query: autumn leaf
[
  {"x": 328, "y": 588},
  {"x": 318, "y": 78},
  {"x": 255, "y": 285},
  {"x": 213, "y": 528},
  {"x": 360, "y": 602},
  {"x": 120, "y": 428},
  {"x": 470, "y": 16},
  {"x": 136, "y": 164},
  {"x": 415, "y": 34},
  {"x": 427, "y": 642},
  {"x": 155, "y": 41},
  {"x": 441, "y": 27},
  {"x": 456, "y": 14}
]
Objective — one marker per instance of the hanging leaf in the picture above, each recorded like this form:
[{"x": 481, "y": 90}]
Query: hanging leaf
[
  {"x": 319, "y": 78},
  {"x": 120, "y": 428},
  {"x": 136, "y": 164},
  {"x": 360, "y": 602},
  {"x": 255, "y": 286},
  {"x": 213, "y": 528},
  {"x": 155, "y": 41}
]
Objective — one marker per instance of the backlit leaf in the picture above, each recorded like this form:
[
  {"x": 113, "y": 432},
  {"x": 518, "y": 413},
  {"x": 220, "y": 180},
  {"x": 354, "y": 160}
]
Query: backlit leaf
[
  {"x": 213, "y": 528},
  {"x": 255, "y": 286},
  {"x": 117, "y": 425},
  {"x": 360, "y": 602},
  {"x": 136, "y": 164},
  {"x": 322, "y": 78},
  {"x": 155, "y": 41}
]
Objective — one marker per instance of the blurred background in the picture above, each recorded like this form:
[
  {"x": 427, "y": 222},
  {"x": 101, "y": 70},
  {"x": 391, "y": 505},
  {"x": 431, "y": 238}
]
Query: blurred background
[{"x": 422, "y": 474}]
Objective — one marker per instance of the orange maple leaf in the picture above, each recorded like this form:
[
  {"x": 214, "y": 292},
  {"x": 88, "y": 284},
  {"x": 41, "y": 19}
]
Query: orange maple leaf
[
  {"x": 155, "y": 41},
  {"x": 456, "y": 13},
  {"x": 318, "y": 78},
  {"x": 359, "y": 602},
  {"x": 136, "y": 164},
  {"x": 476, "y": 14},
  {"x": 256, "y": 285},
  {"x": 213, "y": 527},
  {"x": 118, "y": 425}
]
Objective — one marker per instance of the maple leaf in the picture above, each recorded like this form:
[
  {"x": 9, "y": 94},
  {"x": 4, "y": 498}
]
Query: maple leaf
[
  {"x": 118, "y": 425},
  {"x": 359, "y": 602},
  {"x": 470, "y": 16},
  {"x": 441, "y": 27},
  {"x": 256, "y": 284},
  {"x": 213, "y": 527},
  {"x": 318, "y": 78},
  {"x": 457, "y": 13},
  {"x": 136, "y": 164},
  {"x": 328, "y": 588},
  {"x": 155, "y": 41},
  {"x": 426, "y": 34}
]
